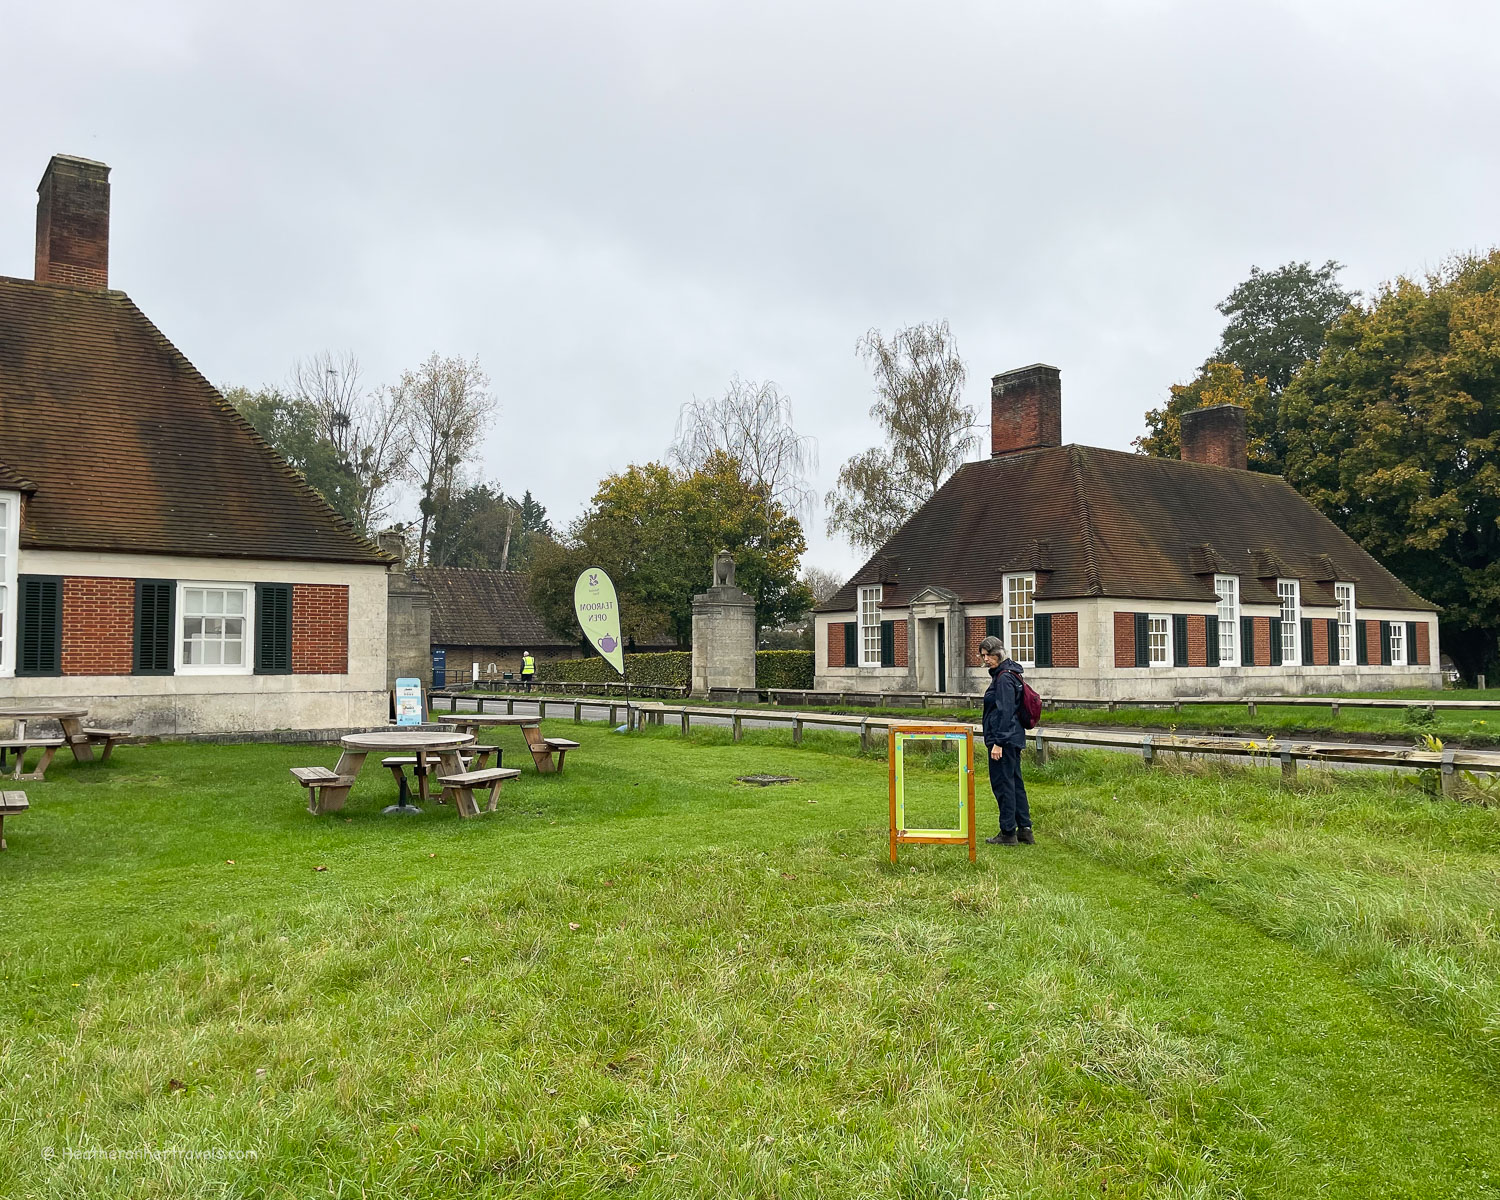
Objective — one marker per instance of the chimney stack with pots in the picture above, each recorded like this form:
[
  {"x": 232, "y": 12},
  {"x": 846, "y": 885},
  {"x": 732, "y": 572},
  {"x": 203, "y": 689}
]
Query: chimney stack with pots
[
  {"x": 72, "y": 223},
  {"x": 1025, "y": 409},
  {"x": 1216, "y": 436}
]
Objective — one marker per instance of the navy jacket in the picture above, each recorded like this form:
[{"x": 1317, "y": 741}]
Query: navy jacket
[{"x": 1002, "y": 707}]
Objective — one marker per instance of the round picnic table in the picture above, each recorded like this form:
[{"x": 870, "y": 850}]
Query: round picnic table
[
  {"x": 71, "y": 720},
  {"x": 530, "y": 727},
  {"x": 423, "y": 743}
]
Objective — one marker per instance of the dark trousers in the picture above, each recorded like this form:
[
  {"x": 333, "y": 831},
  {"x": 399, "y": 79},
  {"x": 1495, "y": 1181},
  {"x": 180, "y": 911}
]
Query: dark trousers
[
  {"x": 526, "y": 681},
  {"x": 1010, "y": 791}
]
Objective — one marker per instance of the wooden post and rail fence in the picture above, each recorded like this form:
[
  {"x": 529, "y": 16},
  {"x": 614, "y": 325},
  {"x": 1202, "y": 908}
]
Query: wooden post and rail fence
[{"x": 872, "y": 732}]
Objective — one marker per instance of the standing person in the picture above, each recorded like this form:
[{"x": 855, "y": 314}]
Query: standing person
[
  {"x": 1005, "y": 740},
  {"x": 528, "y": 669}
]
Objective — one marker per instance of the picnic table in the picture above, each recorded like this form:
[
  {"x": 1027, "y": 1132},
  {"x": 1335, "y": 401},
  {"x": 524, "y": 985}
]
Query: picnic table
[
  {"x": 327, "y": 790},
  {"x": 546, "y": 752},
  {"x": 80, "y": 739}
]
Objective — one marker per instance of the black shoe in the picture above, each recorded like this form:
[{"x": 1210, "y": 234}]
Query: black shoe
[
  {"x": 1026, "y": 836},
  {"x": 1002, "y": 839}
]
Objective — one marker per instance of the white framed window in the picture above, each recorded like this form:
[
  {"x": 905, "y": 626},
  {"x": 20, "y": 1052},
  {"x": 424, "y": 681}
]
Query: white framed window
[
  {"x": 1345, "y": 594},
  {"x": 1020, "y": 618},
  {"x": 10, "y": 538},
  {"x": 1227, "y": 588},
  {"x": 1290, "y": 593},
  {"x": 869, "y": 626},
  {"x": 1159, "y": 640},
  {"x": 215, "y": 628},
  {"x": 1398, "y": 643}
]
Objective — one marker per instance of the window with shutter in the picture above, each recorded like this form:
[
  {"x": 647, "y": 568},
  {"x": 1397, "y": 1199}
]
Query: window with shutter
[
  {"x": 1362, "y": 643},
  {"x": 851, "y": 643},
  {"x": 39, "y": 625},
  {"x": 1307, "y": 640},
  {"x": 155, "y": 613},
  {"x": 1277, "y": 645},
  {"x": 1142, "y": 639},
  {"x": 1247, "y": 641},
  {"x": 273, "y": 628},
  {"x": 1411, "y": 643},
  {"x": 1212, "y": 638},
  {"x": 1336, "y": 653},
  {"x": 887, "y": 643},
  {"x": 994, "y": 627},
  {"x": 1385, "y": 643},
  {"x": 1179, "y": 641},
  {"x": 1043, "y": 639}
]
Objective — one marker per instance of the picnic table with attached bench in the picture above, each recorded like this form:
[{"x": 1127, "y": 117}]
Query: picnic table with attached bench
[
  {"x": 327, "y": 790},
  {"x": 79, "y": 738},
  {"x": 547, "y": 753},
  {"x": 11, "y": 803}
]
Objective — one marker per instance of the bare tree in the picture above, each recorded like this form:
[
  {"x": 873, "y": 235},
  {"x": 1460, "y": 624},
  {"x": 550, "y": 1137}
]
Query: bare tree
[
  {"x": 752, "y": 423},
  {"x": 364, "y": 431},
  {"x": 919, "y": 380},
  {"x": 821, "y": 583},
  {"x": 443, "y": 403}
]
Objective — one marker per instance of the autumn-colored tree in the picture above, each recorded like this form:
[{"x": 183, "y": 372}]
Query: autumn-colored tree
[
  {"x": 656, "y": 532},
  {"x": 1395, "y": 433},
  {"x": 1215, "y": 383}
]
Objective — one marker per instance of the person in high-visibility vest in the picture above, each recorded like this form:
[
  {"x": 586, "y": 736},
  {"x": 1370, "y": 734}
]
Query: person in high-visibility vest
[{"x": 528, "y": 668}]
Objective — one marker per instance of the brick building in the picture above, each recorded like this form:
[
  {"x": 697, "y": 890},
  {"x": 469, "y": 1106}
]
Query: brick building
[
  {"x": 158, "y": 562},
  {"x": 485, "y": 619},
  {"x": 1116, "y": 575}
]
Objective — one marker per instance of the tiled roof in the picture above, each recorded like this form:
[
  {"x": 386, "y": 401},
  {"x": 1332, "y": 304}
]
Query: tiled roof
[
  {"x": 131, "y": 449},
  {"x": 1095, "y": 522},
  {"x": 484, "y": 608}
]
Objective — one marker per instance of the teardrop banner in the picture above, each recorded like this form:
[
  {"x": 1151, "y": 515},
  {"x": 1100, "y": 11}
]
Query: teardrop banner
[{"x": 598, "y": 612}]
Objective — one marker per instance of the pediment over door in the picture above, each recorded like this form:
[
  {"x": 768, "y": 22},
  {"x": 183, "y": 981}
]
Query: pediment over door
[{"x": 933, "y": 601}]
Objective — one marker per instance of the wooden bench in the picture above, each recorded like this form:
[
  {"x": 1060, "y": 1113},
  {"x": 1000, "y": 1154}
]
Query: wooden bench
[
  {"x": 560, "y": 747},
  {"x": 461, "y": 788},
  {"x": 48, "y": 746},
  {"x": 108, "y": 738},
  {"x": 477, "y": 759},
  {"x": 11, "y": 803},
  {"x": 325, "y": 790}
]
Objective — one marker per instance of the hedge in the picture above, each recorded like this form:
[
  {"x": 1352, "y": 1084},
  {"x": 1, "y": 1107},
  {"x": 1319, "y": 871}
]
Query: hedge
[
  {"x": 784, "y": 669},
  {"x": 773, "y": 669},
  {"x": 672, "y": 669}
]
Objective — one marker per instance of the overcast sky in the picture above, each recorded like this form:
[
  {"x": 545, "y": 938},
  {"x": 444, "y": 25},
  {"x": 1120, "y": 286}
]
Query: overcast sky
[{"x": 617, "y": 206}]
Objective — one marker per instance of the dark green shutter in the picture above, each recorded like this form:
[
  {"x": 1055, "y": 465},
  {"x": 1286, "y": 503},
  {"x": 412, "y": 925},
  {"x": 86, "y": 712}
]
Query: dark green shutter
[
  {"x": 273, "y": 628},
  {"x": 155, "y": 607},
  {"x": 995, "y": 627},
  {"x": 39, "y": 624},
  {"x": 1335, "y": 657},
  {"x": 1361, "y": 644},
  {"x": 1142, "y": 640},
  {"x": 1211, "y": 636},
  {"x": 1179, "y": 641},
  {"x": 1043, "y": 639},
  {"x": 1307, "y": 641},
  {"x": 887, "y": 643},
  {"x": 1247, "y": 641},
  {"x": 851, "y": 644},
  {"x": 1411, "y": 643},
  {"x": 1276, "y": 641},
  {"x": 1385, "y": 643}
]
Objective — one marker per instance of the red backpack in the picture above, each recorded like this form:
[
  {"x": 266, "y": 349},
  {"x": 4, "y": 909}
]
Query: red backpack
[{"x": 1029, "y": 712}]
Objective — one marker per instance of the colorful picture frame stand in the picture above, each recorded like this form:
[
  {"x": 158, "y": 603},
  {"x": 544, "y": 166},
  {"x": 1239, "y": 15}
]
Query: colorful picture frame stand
[{"x": 963, "y": 835}]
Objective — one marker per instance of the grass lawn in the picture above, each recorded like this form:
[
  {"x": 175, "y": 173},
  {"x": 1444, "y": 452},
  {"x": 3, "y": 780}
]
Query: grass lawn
[{"x": 643, "y": 979}]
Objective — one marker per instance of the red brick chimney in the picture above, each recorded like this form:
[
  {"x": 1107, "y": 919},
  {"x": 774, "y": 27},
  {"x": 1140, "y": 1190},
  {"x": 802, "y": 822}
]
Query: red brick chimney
[
  {"x": 72, "y": 223},
  {"x": 1025, "y": 409},
  {"x": 1216, "y": 436}
]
